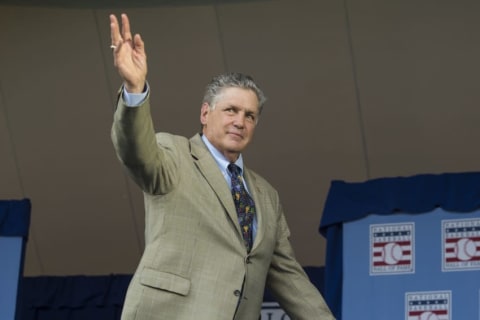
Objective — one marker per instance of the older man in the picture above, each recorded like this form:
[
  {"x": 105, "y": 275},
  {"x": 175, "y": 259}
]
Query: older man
[{"x": 215, "y": 231}]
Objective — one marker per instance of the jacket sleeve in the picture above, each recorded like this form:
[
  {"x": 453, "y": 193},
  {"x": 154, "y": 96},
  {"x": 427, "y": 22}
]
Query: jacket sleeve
[
  {"x": 290, "y": 285},
  {"x": 148, "y": 160}
]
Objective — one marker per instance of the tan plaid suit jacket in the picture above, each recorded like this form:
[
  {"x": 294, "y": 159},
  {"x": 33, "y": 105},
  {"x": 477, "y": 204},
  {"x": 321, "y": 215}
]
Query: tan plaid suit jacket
[{"x": 195, "y": 264}]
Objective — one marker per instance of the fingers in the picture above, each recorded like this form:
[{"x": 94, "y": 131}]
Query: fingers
[
  {"x": 114, "y": 31},
  {"x": 126, "y": 33},
  {"x": 121, "y": 35}
]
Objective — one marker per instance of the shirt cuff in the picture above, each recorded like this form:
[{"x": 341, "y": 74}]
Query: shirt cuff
[{"x": 135, "y": 99}]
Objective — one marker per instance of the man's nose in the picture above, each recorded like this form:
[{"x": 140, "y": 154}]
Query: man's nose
[{"x": 239, "y": 120}]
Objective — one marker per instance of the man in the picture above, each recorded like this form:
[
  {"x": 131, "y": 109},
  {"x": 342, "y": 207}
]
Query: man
[{"x": 210, "y": 250}]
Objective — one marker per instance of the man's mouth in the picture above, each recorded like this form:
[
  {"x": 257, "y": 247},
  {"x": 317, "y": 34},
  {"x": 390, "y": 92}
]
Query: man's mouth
[{"x": 236, "y": 134}]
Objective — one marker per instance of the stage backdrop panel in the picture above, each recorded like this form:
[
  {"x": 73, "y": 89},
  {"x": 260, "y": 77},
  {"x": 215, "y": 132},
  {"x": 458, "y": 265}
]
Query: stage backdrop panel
[
  {"x": 407, "y": 266},
  {"x": 404, "y": 248},
  {"x": 14, "y": 224}
]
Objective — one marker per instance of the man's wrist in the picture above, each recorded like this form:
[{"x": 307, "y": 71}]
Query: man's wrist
[
  {"x": 135, "y": 89},
  {"x": 133, "y": 99}
]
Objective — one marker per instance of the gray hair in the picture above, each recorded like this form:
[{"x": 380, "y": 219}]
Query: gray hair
[{"x": 232, "y": 80}]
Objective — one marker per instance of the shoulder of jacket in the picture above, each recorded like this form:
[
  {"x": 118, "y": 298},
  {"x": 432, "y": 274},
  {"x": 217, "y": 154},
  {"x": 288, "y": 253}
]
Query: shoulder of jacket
[
  {"x": 166, "y": 138},
  {"x": 261, "y": 181}
]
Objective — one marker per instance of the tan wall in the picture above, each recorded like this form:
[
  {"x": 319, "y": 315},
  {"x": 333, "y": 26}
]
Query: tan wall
[{"x": 357, "y": 91}]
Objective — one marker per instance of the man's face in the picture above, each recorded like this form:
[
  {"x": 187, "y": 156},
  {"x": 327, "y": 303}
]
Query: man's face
[{"x": 229, "y": 126}]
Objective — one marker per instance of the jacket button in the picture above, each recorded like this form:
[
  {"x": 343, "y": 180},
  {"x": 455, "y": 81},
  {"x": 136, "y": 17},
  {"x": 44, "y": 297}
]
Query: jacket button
[
  {"x": 237, "y": 293},
  {"x": 247, "y": 260}
]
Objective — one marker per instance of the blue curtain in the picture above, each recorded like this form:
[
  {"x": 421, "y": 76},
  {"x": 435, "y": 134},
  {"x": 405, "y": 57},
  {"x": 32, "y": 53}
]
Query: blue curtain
[
  {"x": 73, "y": 297},
  {"x": 15, "y": 218},
  {"x": 454, "y": 192}
]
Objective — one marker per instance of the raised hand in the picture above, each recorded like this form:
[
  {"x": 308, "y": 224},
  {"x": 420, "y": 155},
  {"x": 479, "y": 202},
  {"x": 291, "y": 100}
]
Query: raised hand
[{"x": 128, "y": 54}]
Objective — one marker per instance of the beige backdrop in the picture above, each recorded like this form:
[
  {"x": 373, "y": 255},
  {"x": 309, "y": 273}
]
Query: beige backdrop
[{"x": 358, "y": 90}]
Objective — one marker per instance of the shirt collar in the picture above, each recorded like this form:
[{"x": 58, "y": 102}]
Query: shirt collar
[{"x": 222, "y": 162}]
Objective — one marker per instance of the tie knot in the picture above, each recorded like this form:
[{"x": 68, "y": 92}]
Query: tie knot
[{"x": 234, "y": 169}]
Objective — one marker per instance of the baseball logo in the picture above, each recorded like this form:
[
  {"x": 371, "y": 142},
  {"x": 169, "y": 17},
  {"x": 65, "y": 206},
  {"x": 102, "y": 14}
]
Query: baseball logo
[
  {"x": 465, "y": 249},
  {"x": 392, "y": 253},
  {"x": 392, "y": 248},
  {"x": 461, "y": 244},
  {"x": 432, "y": 305}
]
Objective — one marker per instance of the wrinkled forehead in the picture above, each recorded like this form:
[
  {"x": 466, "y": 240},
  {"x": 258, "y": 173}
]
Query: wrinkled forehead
[{"x": 236, "y": 95}]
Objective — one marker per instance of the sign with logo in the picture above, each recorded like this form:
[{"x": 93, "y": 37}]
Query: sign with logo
[
  {"x": 395, "y": 267},
  {"x": 391, "y": 248},
  {"x": 461, "y": 244},
  {"x": 433, "y": 305}
]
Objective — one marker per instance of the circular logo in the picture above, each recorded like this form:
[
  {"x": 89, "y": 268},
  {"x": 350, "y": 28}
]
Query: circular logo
[
  {"x": 392, "y": 253},
  {"x": 465, "y": 249}
]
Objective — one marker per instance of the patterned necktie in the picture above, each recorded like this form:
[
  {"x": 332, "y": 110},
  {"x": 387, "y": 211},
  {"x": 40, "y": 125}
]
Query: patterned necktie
[{"x": 244, "y": 204}]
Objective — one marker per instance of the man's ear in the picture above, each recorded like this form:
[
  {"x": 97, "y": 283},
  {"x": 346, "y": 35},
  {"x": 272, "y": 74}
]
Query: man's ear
[{"x": 204, "y": 113}]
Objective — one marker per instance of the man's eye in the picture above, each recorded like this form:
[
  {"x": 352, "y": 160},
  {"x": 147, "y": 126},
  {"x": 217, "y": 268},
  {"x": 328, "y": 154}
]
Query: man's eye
[{"x": 251, "y": 117}]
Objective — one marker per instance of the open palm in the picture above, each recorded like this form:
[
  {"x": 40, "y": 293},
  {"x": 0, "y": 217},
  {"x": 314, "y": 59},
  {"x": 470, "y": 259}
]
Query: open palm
[{"x": 129, "y": 54}]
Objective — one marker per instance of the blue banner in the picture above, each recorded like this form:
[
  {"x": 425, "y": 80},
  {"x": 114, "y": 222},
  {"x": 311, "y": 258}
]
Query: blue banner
[{"x": 412, "y": 267}]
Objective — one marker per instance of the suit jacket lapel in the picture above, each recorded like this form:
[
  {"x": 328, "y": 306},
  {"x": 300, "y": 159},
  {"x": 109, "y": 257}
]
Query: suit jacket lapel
[{"x": 209, "y": 169}]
